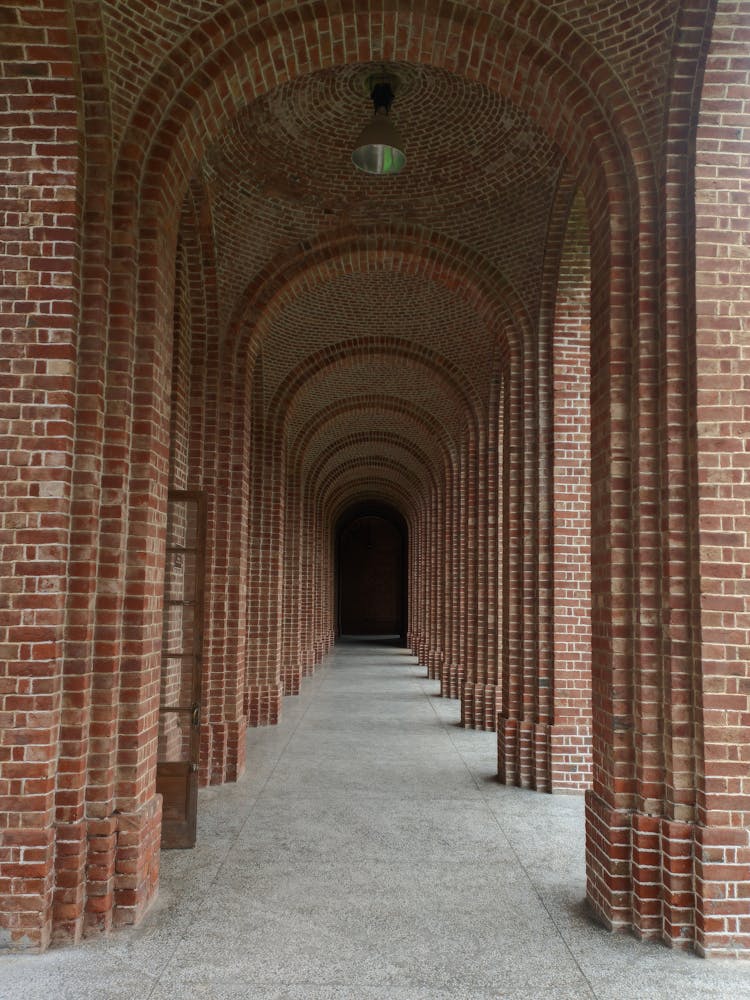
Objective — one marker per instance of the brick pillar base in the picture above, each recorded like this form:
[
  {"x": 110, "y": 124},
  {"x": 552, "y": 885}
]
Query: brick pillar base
[
  {"x": 264, "y": 704},
  {"x": 308, "y": 661},
  {"x": 434, "y": 661},
  {"x": 292, "y": 676},
  {"x": 223, "y": 751},
  {"x": 539, "y": 756},
  {"x": 71, "y": 867},
  {"x": 137, "y": 862},
  {"x": 507, "y": 750},
  {"x": 480, "y": 705},
  {"x": 722, "y": 884},
  {"x": 608, "y": 862},
  {"x": 685, "y": 884},
  {"x": 101, "y": 848},
  {"x": 540, "y": 763},
  {"x": 28, "y": 929},
  {"x": 451, "y": 680},
  {"x": 677, "y": 840},
  {"x": 517, "y": 750}
]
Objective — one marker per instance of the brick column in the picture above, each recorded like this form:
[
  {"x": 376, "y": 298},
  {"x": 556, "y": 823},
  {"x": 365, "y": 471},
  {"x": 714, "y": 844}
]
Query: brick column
[
  {"x": 570, "y": 731},
  {"x": 722, "y": 838},
  {"x": 37, "y": 398}
]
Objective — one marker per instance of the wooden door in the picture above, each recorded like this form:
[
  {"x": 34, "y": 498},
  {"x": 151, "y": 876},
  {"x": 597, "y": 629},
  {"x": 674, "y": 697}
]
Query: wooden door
[{"x": 182, "y": 644}]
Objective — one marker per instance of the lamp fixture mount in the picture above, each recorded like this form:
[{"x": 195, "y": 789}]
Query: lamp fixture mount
[{"x": 379, "y": 149}]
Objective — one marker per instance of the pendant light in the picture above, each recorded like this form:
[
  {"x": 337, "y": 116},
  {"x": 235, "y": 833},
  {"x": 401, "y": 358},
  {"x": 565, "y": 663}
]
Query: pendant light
[{"x": 380, "y": 149}]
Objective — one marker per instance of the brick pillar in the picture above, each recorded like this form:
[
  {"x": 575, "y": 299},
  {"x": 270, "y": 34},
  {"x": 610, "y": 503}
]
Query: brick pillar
[
  {"x": 722, "y": 839},
  {"x": 291, "y": 660},
  {"x": 570, "y": 731},
  {"x": 39, "y": 351},
  {"x": 223, "y": 722},
  {"x": 512, "y": 738},
  {"x": 610, "y": 800},
  {"x": 264, "y": 687}
]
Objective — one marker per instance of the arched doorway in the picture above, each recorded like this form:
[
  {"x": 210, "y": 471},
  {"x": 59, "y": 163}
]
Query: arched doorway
[{"x": 371, "y": 586}]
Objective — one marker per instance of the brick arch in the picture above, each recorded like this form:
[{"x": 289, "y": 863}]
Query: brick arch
[
  {"x": 205, "y": 80},
  {"x": 425, "y": 421},
  {"x": 393, "y": 247},
  {"x": 527, "y": 73},
  {"x": 604, "y": 144},
  {"x": 369, "y": 488},
  {"x": 372, "y": 439},
  {"x": 334, "y": 476},
  {"x": 345, "y": 353}
]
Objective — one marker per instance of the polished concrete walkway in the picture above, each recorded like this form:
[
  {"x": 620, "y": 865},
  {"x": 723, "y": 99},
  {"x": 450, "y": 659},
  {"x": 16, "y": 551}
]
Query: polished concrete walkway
[{"x": 370, "y": 855}]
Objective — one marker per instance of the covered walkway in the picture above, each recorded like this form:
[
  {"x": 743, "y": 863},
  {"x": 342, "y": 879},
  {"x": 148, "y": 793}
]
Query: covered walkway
[{"x": 370, "y": 854}]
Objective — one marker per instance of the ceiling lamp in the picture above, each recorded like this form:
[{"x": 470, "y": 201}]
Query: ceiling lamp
[{"x": 380, "y": 149}]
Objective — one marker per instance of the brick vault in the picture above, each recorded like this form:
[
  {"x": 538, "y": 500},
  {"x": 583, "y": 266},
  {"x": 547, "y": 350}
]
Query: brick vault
[{"x": 531, "y": 347}]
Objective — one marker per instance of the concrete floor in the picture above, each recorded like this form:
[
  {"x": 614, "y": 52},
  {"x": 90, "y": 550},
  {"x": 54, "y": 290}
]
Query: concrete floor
[{"x": 370, "y": 855}]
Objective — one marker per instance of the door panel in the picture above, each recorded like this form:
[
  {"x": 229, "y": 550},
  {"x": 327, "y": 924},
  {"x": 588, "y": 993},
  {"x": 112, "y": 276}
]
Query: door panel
[
  {"x": 180, "y": 682},
  {"x": 371, "y": 578}
]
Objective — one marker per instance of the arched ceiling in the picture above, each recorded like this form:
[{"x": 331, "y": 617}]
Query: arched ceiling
[
  {"x": 282, "y": 174},
  {"x": 481, "y": 175}
]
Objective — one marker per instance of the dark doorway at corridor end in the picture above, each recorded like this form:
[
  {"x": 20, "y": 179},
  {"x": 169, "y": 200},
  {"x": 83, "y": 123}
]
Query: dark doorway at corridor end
[{"x": 371, "y": 561}]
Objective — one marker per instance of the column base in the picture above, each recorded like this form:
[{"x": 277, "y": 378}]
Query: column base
[
  {"x": 308, "y": 661},
  {"x": 517, "y": 749},
  {"x": 480, "y": 705},
  {"x": 264, "y": 704},
  {"x": 292, "y": 678},
  {"x": 434, "y": 663},
  {"x": 451, "y": 680},
  {"x": 684, "y": 884},
  {"x": 107, "y": 875},
  {"x": 137, "y": 862},
  {"x": 101, "y": 851},
  {"x": 722, "y": 888},
  {"x": 547, "y": 758},
  {"x": 28, "y": 929},
  {"x": 223, "y": 751},
  {"x": 72, "y": 864}
]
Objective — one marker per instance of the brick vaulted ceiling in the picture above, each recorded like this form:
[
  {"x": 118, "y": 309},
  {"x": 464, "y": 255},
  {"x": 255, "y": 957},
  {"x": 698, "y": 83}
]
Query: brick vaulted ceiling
[{"x": 369, "y": 353}]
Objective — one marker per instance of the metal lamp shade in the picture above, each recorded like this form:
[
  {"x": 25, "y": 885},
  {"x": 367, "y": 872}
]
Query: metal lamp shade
[{"x": 379, "y": 148}]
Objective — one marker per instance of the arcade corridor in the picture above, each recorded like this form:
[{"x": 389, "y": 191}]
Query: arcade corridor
[
  {"x": 372, "y": 855},
  {"x": 483, "y": 381}
]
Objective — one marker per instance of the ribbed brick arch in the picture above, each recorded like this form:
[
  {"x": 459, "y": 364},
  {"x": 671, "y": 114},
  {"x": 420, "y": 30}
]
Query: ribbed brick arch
[
  {"x": 349, "y": 352},
  {"x": 527, "y": 52},
  {"x": 426, "y": 425},
  {"x": 371, "y": 441},
  {"x": 597, "y": 127},
  {"x": 398, "y": 248},
  {"x": 332, "y": 479},
  {"x": 366, "y": 489},
  {"x": 337, "y": 457}
]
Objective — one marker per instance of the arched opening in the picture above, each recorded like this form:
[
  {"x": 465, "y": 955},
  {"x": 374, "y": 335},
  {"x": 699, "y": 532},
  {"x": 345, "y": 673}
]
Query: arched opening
[{"x": 371, "y": 572}]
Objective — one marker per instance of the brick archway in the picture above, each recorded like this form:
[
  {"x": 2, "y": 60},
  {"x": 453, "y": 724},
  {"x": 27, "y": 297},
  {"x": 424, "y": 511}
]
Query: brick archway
[{"x": 166, "y": 355}]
